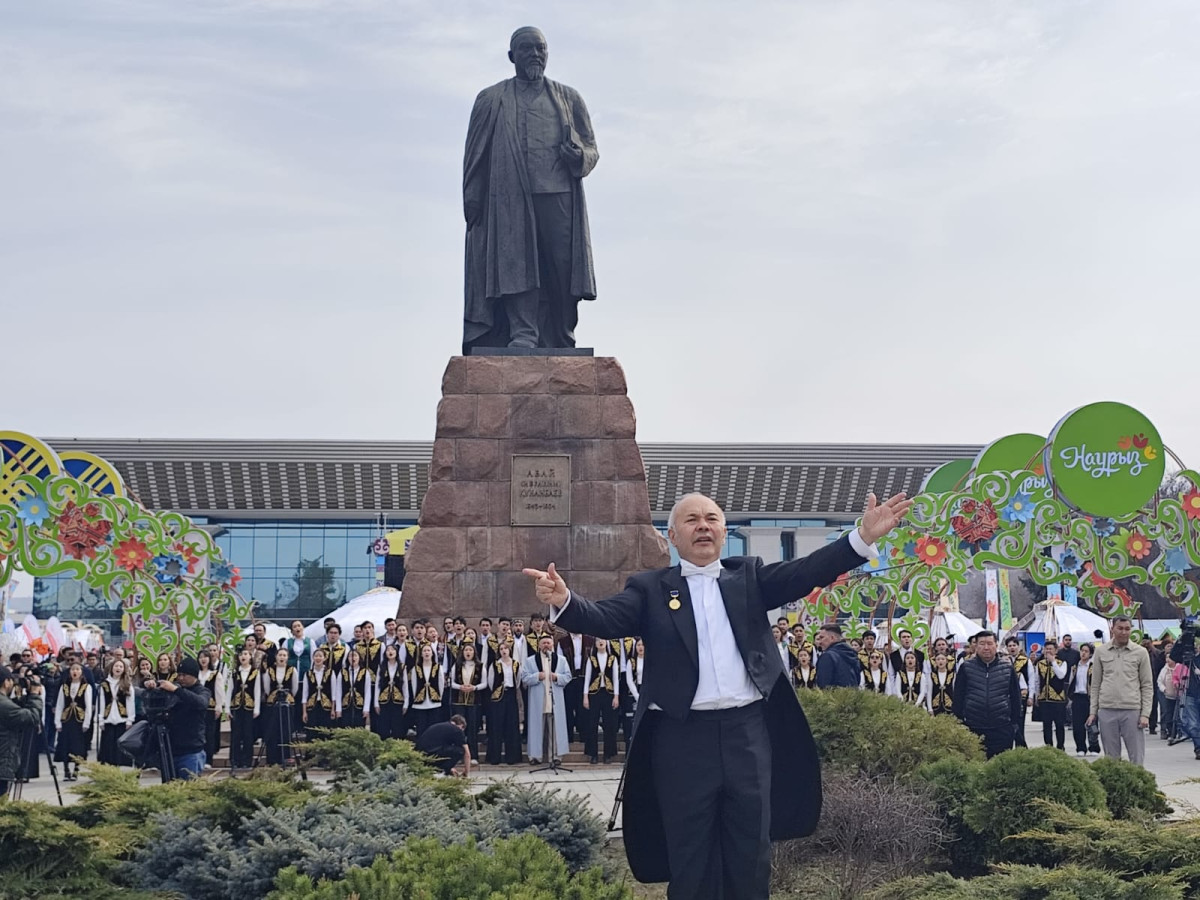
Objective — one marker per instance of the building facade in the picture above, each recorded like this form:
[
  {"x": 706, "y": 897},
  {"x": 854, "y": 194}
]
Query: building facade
[{"x": 300, "y": 518}]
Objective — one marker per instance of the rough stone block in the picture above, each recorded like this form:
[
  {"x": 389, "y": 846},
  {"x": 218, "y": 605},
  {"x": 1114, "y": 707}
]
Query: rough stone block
[
  {"x": 454, "y": 379},
  {"x": 538, "y": 547},
  {"x": 594, "y": 461},
  {"x": 595, "y": 585},
  {"x": 500, "y": 502},
  {"x": 454, "y": 504},
  {"x": 437, "y": 550},
  {"x": 480, "y": 460},
  {"x": 489, "y": 548},
  {"x": 493, "y": 412},
  {"x": 441, "y": 466},
  {"x": 603, "y": 499},
  {"x": 581, "y": 502},
  {"x": 485, "y": 374},
  {"x": 579, "y": 416},
  {"x": 610, "y": 377},
  {"x": 572, "y": 375},
  {"x": 426, "y": 594},
  {"x": 627, "y": 460},
  {"x": 526, "y": 374},
  {"x": 617, "y": 417},
  {"x": 654, "y": 552},
  {"x": 515, "y": 594},
  {"x": 456, "y": 416},
  {"x": 534, "y": 416},
  {"x": 471, "y": 590},
  {"x": 633, "y": 504},
  {"x": 604, "y": 547}
]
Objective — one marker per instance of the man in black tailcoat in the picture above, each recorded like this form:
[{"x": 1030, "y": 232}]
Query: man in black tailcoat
[{"x": 716, "y": 721}]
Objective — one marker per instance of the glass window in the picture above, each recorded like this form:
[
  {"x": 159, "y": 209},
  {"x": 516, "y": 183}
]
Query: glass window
[
  {"x": 288, "y": 553},
  {"x": 241, "y": 550},
  {"x": 264, "y": 546},
  {"x": 312, "y": 542}
]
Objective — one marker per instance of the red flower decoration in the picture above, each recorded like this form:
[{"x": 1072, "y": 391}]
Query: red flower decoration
[
  {"x": 977, "y": 521},
  {"x": 1097, "y": 579},
  {"x": 79, "y": 536},
  {"x": 1191, "y": 503},
  {"x": 237, "y": 577},
  {"x": 188, "y": 552},
  {"x": 1138, "y": 545},
  {"x": 931, "y": 551},
  {"x": 132, "y": 554},
  {"x": 91, "y": 510}
]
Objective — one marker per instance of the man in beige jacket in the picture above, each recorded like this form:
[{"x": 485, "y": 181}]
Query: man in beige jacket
[{"x": 1122, "y": 693}]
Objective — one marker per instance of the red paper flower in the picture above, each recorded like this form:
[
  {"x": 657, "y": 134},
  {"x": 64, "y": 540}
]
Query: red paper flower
[
  {"x": 977, "y": 523},
  {"x": 79, "y": 536},
  {"x": 1097, "y": 579},
  {"x": 188, "y": 552},
  {"x": 91, "y": 510},
  {"x": 1138, "y": 545},
  {"x": 1191, "y": 503},
  {"x": 132, "y": 554},
  {"x": 931, "y": 551}
]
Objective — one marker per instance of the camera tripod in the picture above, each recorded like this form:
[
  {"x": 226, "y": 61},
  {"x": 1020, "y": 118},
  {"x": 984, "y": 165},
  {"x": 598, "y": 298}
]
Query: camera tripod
[{"x": 18, "y": 786}]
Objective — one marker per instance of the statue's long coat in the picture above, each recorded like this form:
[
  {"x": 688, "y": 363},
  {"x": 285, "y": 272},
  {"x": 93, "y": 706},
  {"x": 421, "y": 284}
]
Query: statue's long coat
[{"x": 502, "y": 251}]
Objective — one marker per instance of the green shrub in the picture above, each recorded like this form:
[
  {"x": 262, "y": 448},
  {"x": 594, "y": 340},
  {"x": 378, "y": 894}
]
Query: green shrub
[
  {"x": 1032, "y": 883},
  {"x": 953, "y": 785},
  {"x": 1131, "y": 790},
  {"x": 878, "y": 735},
  {"x": 114, "y": 797},
  {"x": 347, "y": 751},
  {"x": 1000, "y": 805},
  {"x": 520, "y": 868},
  {"x": 44, "y": 855},
  {"x": 1127, "y": 846},
  {"x": 561, "y": 820}
]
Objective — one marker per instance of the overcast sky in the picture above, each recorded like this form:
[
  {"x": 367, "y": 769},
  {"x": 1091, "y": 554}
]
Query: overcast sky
[{"x": 911, "y": 221}]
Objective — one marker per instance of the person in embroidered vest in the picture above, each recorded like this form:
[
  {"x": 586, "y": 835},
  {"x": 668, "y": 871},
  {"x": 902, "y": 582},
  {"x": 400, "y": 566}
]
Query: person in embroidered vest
[
  {"x": 73, "y": 709},
  {"x": 357, "y": 691},
  {"x": 335, "y": 650},
  {"x": 529, "y": 255},
  {"x": 426, "y": 686},
  {"x": 261, "y": 642},
  {"x": 716, "y": 697},
  {"x": 544, "y": 676},
  {"x": 1049, "y": 683},
  {"x": 1086, "y": 740},
  {"x": 300, "y": 649},
  {"x": 320, "y": 694},
  {"x": 391, "y": 699},
  {"x": 116, "y": 713},
  {"x": 278, "y": 687},
  {"x": 240, "y": 703},
  {"x": 601, "y": 700},
  {"x": 214, "y": 683},
  {"x": 504, "y": 731},
  {"x": 804, "y": 673},
  {"x": 1020, "y": 664},
  {"x": 1122, "y": 693},
  {"x": 868, "y": 647},
  {"x": 910, "y": 684},
  {"x": 941, "y": 685},
  {"x": 467, "y": 680}
]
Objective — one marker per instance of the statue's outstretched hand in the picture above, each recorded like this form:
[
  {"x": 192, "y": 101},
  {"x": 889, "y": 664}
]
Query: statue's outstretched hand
[
  {"x": 549, "y": 586},
  {"x": 880, "y": 518}
]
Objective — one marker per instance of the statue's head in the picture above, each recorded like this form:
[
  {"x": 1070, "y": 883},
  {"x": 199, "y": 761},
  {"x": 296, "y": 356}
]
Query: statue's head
[{"x": 527, "y": 52}]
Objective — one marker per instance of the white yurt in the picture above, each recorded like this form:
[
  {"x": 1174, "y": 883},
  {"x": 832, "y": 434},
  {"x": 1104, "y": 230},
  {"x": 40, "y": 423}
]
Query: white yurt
[
  {"x": 375, "y": 605},
  {"x": 953, "y": 626},
  {"x": 1055, "y": 618},
  {"x": 275, "y": 633}
]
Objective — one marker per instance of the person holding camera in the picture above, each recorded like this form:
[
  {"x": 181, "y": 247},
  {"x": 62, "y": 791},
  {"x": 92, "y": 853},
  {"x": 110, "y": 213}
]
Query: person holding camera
[
  {"x": 1184, "y": 653},
  {"x": 18, "y": 717},
  {"x": 184, "y": 705}
]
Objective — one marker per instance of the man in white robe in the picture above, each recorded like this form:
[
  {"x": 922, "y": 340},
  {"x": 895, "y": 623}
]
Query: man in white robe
[{"x": 545, "y": 675}]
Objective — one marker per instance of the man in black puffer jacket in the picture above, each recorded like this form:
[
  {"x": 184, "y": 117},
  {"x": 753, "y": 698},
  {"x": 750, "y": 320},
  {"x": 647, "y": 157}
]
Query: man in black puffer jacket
[
  {"x": 987, "y": 696},
  {"x": 838, "y": 665}
]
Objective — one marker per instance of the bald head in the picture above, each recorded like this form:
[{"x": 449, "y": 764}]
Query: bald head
[{"x": 528, "y": 53}]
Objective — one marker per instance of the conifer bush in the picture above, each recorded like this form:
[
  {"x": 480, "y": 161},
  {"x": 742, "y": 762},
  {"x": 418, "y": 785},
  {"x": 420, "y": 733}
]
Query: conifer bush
[
  {"x": 521, "y": 868},
  {"x": 1033, "y": 883},
  {"x": 882, "y": 736},
  {"x": 1131, "y": 791}
]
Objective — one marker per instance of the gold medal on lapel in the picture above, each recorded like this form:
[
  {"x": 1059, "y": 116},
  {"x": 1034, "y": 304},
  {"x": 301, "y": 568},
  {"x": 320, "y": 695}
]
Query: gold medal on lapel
[{"x": 674, "y": 603}]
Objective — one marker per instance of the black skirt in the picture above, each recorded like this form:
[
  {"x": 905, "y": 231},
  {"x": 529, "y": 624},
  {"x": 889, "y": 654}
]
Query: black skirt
[{"x": 71, "y": 742}]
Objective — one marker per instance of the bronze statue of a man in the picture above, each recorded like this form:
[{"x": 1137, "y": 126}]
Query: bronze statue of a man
[{"x": 529, "y": 254}]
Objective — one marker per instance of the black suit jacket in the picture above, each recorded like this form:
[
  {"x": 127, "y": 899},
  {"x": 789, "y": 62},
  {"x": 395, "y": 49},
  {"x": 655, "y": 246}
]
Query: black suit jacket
[{"x": 671, "y": 674}]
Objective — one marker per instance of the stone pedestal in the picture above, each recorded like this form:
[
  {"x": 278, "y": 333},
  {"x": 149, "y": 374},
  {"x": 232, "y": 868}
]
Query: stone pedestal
[{"x": 467, "y": 557}]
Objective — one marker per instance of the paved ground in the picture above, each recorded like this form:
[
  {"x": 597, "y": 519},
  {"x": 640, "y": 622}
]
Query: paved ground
[{"x": 1176, "y": 768}]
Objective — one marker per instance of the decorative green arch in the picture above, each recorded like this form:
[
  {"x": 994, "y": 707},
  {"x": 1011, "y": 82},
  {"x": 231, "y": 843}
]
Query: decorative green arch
[
  {"x": 1045, "y": 518},
  {"x": 169, "y": 577}
]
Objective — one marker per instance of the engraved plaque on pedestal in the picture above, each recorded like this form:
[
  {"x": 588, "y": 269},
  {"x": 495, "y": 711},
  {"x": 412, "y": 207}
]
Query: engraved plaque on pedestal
[{"x": 541, "y": 490}]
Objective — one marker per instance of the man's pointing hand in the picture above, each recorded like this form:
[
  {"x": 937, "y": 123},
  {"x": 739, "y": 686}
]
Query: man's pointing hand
[{"x": 549, "y": 585}]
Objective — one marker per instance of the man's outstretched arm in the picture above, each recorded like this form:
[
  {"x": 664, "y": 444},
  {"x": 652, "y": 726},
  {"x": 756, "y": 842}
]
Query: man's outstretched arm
[{"x": 617, "y": 616}]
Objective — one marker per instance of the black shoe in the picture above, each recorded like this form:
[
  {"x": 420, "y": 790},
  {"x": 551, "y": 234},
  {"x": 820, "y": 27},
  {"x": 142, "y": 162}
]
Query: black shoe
[
  {"x": 1198, "y": 754},
  {"x": 1176, "y": 740},
  {"x": 1154, "y": 731},
  {"x": 593, "y": 760}
]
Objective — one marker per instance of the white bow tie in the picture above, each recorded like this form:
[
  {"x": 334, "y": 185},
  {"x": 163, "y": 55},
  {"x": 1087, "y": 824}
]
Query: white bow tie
[{"x": 712, "y": 570}]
